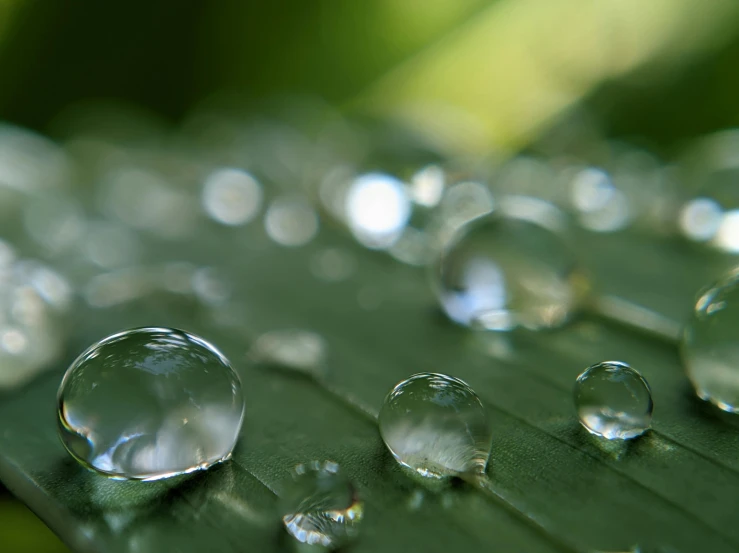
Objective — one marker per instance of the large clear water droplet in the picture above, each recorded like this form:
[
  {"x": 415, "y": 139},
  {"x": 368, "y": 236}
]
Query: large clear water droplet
[
  {"x": 613, "y": 401},
  {"x": 320, "y": 506},
  {"x": 150, "y": 403},
  {"x": 710, "y": 345},
  {"x": 502, "y": 272},
  {"x": 436, "y": 425}
]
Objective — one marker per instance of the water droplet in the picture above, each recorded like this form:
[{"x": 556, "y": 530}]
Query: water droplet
[
  {"x": 700, "y": 219},
  {"x": 613, "y": 401},
  {"x": 320, "y": 506},
  {"x": 601, "y": 205},
  {"x": 709, "y": 345},
  {"x": 291, "y": 222},
  {"x": 150, "y": 403},
  {"x": 501, "y": 272},
  {"x": 231, "y": 196},
  {"x": 436, "y": 425},
  {"x": 427, "y": 185},
  {"x": 295, "y": 349},
  {"x": 377, "y": 209}
]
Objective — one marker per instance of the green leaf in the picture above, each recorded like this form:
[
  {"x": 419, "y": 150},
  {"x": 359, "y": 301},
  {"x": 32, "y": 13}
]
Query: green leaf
[{"x": 558, "y": 488}]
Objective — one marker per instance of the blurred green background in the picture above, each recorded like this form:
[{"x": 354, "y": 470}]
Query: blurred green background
[{"x": 507, "y": 73}]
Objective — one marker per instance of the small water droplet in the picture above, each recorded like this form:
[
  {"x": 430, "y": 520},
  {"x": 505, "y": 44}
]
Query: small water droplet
[
  {"x": 320, "y": 506},
  {"x": 436, "y": 425},
  {"x": 613, "y": 401},
  {"x": 150, "y": 403},
  {"x": 500, "y": 273},
  {"x": 709, "y": 345},
  {"x": 295, "y": 349}
]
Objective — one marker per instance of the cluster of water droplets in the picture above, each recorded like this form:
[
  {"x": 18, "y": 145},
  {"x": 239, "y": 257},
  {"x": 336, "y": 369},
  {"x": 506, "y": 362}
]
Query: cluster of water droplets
[{"x": 97, "y": 209}]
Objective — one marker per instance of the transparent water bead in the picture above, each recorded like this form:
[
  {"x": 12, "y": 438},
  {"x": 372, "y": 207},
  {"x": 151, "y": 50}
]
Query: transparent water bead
[
  {"x": 503, "y": 272},
  {"x": 710, "y": 344},
  {"x": 436, "y": 425},
  {"x": 613, "y": 401},
  {"x": 150, "y": 403},
  {"x": 320, "y": 506}
]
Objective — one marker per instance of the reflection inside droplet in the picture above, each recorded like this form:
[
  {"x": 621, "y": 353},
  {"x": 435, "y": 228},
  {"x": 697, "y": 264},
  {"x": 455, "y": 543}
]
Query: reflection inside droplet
[
  {"x": 291, "y": 222},
  {"x": 377, "y": 209},
  {"x": 709, "y": 347},
  {"x": 231, "y": 196}
]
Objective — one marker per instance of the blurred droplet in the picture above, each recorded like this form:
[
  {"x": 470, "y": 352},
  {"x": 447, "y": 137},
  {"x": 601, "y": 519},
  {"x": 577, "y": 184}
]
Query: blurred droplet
[
  {"x": 727, "y": 236},
  {"x": 700, "y": 219},
  {"x": 177, "y": 277},
  {"x": 295, "y": 349},
  {"x": 211, "y": 286},
  {"x": 145, "y": 200},
  {"x": 231, "y": 196},
  {"x": 427, "y": 186},
  {"x": 601, "y": 206},
  {"x": 436, "y": 425},
  {"x": 110, "y": 245},
  {"x": 709, "y": 345},
  {"x": 613, "y": 401},
  {"x": 377, "y": 209},
  {"x": 118, "y": 287},
  {"x": 462, "y": 203},
  {"x": 413, "y": 247},
  {"x": 30, "y": 162},
  {"x": 35, "y": 302},
  {"x": 320, "y": 506},
  {"x": 333, "y": 265},
  {"x": 150, "y": 403},
  {"x": 501, "y": 272},
  {"x": 291, "y": 222},
  {"x": 54, "y": 222}
]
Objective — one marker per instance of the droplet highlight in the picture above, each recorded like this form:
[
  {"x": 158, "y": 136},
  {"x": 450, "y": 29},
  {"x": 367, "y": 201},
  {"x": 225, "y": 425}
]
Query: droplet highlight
[
  {"x": 613, "y": 401},
  {"x": 710, "y": 345},
  {"x": 436, "y": 425},
  {"x": 150, "y": 403},
  {"x": 501, "y": 273},
  {"x": 320, "y": 506}
]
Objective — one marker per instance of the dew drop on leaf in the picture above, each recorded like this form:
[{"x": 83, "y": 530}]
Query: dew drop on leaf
[
  {"x": 501, "y": 273},
  {"x": 320, "y": 506},
  {"x": 436, "y": 425},
  {"x": 613, "y": 401},
  {"x": 150, "y": 403}
]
